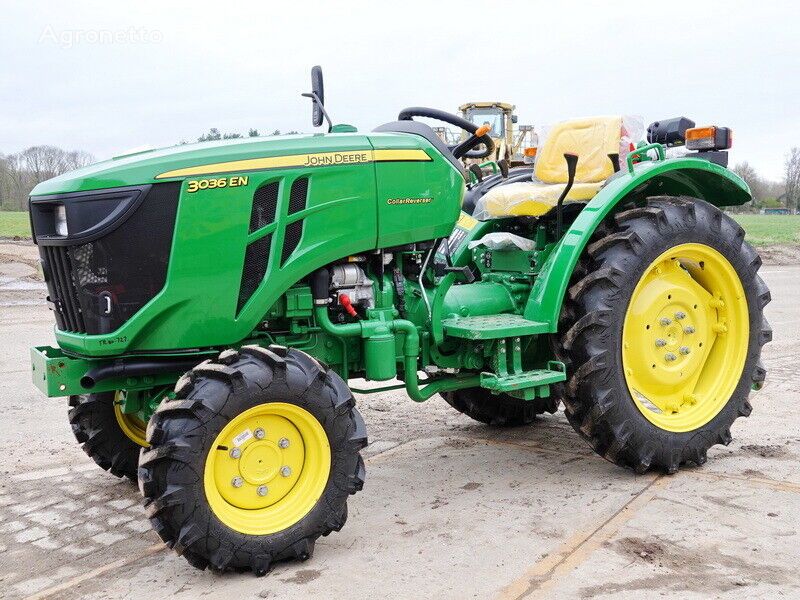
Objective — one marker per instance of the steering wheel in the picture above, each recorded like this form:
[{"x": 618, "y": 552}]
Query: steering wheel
[{"x": 464, "y": 149}]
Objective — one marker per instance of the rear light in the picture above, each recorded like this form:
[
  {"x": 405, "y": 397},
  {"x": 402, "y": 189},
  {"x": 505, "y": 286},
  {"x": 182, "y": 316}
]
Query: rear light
[
  {"x": 709, "y": 138},
  {"x": 529, "y": 154}
]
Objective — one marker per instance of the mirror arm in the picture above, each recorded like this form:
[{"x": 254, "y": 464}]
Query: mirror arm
[{"x": 315, "y": 98}]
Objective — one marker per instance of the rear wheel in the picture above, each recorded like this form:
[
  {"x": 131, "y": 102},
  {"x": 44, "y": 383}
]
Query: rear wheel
[
  {"x": 500, "y": 410},
  {"x": 112, "y": 438},
  {"x": 665, "y": 328},
  {"x": 254, "y": 459}
]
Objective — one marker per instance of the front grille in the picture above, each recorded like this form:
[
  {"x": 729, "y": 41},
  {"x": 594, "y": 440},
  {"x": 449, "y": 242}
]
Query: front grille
[
  {"x": 97, "y": 286},
  {"x": 64, "y": 295}
]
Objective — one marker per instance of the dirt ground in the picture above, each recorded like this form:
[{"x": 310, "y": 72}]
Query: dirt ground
[{"x": 451, "y": 508}]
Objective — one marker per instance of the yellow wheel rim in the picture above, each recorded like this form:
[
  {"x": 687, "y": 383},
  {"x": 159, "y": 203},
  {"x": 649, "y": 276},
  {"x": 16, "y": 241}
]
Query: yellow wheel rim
[
  {"x": 267, "y": 468},
  {"x": 132, "y": 426},
  {"x": 685, "y": 337}
]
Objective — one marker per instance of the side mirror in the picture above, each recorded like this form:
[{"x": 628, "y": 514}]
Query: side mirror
[
  {"x": 319, "y": 92},
  {"x": 514, "y": 118}
]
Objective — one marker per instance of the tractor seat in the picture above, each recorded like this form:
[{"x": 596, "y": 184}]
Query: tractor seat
[{"x": 592, "y": 139}]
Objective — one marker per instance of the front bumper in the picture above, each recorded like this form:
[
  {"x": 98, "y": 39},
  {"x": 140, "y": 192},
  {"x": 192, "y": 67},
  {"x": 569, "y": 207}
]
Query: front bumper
[{"x": 58, "y": 374}]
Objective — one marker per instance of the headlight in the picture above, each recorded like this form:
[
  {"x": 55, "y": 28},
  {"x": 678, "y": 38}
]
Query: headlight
[{"x": 61, "y": 220}]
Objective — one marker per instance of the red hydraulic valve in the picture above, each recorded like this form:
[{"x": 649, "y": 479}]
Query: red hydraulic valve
[{"x": 344, "y": 300}]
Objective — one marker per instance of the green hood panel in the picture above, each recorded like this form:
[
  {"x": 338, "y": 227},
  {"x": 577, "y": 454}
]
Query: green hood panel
[{"x": 143, "y": 167}]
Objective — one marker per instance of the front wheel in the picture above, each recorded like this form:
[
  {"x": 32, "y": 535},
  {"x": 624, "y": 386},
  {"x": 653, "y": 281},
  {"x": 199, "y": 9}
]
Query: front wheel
[
  {"x": 664, "y": 334},
  {"x": 254, "y": 459},
  {"x": 109, "y": 436}
]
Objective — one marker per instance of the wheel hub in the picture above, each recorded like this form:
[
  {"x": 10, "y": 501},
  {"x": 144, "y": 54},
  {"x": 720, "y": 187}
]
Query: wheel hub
[
  {"x": 681, "y": 358},
  {"x": 266, "y": 468},
  {"x": 260, "y": 461}
]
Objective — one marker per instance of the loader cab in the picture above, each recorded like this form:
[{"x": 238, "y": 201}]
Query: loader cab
[{"x": 492, "y": 116}]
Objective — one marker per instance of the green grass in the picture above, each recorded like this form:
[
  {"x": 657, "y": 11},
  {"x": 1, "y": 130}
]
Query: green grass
[
  {"x": 770, "y": 230},
  {"x": 14, "y": 224}
]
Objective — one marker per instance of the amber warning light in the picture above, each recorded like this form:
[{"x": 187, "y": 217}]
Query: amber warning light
[{"x": 709, "y": 138}]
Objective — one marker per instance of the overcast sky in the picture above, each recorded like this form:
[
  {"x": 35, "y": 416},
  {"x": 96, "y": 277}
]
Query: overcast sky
[{"x": 110, "y": 76}]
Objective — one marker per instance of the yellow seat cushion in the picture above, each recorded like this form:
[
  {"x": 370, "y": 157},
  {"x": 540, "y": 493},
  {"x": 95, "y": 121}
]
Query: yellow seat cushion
[
  {"x": 532, "y": 199},
  {"x": 592, "y": 139}
]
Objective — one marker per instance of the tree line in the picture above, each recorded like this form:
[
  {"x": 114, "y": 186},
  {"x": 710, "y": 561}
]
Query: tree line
[
  {"x": 20, "y": 172},
  {"x": 772, "y": 194}
]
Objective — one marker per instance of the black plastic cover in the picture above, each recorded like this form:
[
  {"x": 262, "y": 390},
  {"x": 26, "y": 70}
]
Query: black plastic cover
[
  {"x": 670, "y": 132},
  {"x": 90, "y": 215}
]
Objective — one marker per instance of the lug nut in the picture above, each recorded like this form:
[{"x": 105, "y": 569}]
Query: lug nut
[
  {"x": 685, "y": 350},
  {"x": 661, "y": 342},
  {"x": 669, "y": 356},
  {"x": 261, "y": 490},
  {"x": 680, "y": 315},
  {"x": 688, "y": 329},
  {"x": 259, "y": 434},
  {"x": 235, "y": 452},
  {"x": 237, "y": 482},
  {"x": 286, "y": 471},
  {"x": 665, "y": 321},
  {"x": 283, "y": 443}
]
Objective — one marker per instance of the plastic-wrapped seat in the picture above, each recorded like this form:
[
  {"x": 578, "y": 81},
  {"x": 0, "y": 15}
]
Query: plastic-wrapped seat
[{"x": 592, "y": 139}]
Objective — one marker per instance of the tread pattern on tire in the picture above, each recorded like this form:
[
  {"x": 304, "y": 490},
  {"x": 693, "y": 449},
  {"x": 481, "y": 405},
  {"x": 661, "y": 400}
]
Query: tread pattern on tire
[
  {"x": 181, "y": 431},
  {"x": 597, "y": 402},
  {"x": 95, "y": 426}
]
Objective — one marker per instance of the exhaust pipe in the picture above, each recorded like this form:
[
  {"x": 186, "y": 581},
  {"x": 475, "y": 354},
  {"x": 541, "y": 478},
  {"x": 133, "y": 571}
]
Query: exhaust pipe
[{"x": 135, "y": 368}]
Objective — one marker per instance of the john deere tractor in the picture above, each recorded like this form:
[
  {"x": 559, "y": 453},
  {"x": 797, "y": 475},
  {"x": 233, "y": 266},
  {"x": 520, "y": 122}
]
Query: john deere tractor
[{"x": 215, "y": 302}]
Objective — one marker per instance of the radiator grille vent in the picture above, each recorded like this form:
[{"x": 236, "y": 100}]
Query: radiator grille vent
[
  {"x": 256, "y": 259},
  {"x": 265, "y": 201},
  {"x": 299, "y": 195},
  {"x": 64, "y": 293},
  {"x": 298, "y": 198}
]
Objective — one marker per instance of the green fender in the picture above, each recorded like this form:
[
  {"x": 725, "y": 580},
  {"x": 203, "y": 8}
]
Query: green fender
[{"x": 672, "y": 177}]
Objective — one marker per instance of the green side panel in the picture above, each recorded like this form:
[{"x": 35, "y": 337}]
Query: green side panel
[
  {"x": 673, "y": 177},
  {"x": 198, "y": 305},
  {"x": 417, "y": 200}
]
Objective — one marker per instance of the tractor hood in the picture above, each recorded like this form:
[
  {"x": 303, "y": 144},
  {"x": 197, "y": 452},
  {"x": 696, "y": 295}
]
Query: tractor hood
[{"x": 177, "y": 162}]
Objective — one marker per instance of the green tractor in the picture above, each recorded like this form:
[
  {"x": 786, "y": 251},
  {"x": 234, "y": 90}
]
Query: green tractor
[{"x": 214, "y": 302}]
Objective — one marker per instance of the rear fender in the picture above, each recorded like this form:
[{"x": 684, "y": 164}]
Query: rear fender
[{"x": 673, "y": 177}]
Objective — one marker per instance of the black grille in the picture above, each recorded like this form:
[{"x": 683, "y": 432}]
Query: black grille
[
  {"x": 298, "y": 195},
  {"x": 256, "y": 259},
  {"x": 97, "y": 286},
  {"x": 63, "y": 293},
  {"x": 265, "y": 201},
  {"x": 294, "y": 231}
]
